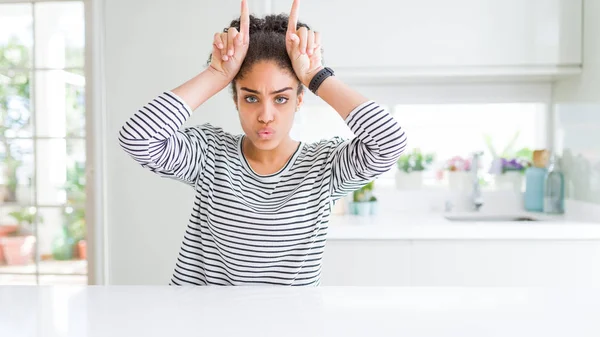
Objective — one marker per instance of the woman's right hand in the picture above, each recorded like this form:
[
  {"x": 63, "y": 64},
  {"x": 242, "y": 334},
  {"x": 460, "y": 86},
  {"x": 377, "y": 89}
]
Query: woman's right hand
[{"x": 230, "y": 48}]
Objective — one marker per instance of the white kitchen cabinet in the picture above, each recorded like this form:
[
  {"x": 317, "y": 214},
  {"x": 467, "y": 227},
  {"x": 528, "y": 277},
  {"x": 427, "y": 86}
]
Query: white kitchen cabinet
[
  {"x": 402, "y": 36},
  {"x": 462, "y": 262},
  {"x": 505, "y": 263},
  {"x": 366, "y": 263}
]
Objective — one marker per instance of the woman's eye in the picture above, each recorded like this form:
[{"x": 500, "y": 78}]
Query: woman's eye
[
  {"x": 281, "y": 100},
  {"x": 251, "y": 99}
]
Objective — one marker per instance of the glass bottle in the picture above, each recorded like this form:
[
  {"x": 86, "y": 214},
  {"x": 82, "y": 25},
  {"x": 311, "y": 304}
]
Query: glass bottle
[{"x": 554, "y": 188}]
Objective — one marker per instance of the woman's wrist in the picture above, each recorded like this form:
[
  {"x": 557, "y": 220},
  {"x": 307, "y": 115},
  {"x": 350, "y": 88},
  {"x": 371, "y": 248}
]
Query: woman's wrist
[
  {"x": 310, "y": 76},
  {"x": 218, "y": 78}
]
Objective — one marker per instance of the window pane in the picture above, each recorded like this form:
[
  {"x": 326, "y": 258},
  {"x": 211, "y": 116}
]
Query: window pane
[
  {"x": 458, "y": 130},
  {"x": 60, "y": 102},
  {"x": 16, "y": 171},
  {"x": 15, "y": 104},
  {"x": 16, "y": 279},
  {"x": 62, "y": 246},
  {"x": 59, "y": 34},
  {"x": 16, "y": 36},
  {"x": 60, "y": 171}
]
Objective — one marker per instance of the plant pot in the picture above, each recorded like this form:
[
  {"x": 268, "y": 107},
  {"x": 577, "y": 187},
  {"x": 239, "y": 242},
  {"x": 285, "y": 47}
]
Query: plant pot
[
  {"x": 18, "y": 250},
  {"x": 372, "y": 207},
  {"x": 511, "y": 180},
  {"x": 409, "y": 181},
  {"x": 4, "y": 231},
  {"x": 82, "y": 250},
  {"x": 351, "y": 207},
  {"x": 460, "y": 181},
  {"x": 362, "y": 208}
]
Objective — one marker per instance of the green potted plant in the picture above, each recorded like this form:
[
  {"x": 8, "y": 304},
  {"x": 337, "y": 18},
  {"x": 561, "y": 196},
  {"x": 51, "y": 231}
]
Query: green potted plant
[
  {"x": 18, "y": 246},
  {"x": 409, "y": 174},
  {"x": 363, "y": 202}
]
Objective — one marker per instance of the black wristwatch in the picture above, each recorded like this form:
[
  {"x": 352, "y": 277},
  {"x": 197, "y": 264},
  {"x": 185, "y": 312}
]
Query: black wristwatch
[{"x": 316, "y": 81}]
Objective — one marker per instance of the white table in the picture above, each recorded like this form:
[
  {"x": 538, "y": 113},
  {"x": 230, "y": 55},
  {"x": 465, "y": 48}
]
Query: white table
[{"x": 267, "y": 311}]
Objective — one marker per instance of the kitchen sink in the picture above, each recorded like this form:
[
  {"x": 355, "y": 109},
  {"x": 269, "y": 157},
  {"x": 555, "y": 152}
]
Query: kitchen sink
[{"x": 488, "y": 217}]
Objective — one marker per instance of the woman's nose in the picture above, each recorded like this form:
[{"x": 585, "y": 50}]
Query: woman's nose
[{"x": 267, "y": 114}]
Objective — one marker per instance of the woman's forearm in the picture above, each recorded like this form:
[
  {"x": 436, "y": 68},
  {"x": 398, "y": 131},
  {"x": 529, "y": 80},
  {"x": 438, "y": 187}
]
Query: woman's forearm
[
  {"x": 340, "y": 96},
  {"x": 201, "y": 87}
]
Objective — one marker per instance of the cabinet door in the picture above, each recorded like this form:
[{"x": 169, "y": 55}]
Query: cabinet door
[
  {"x": 432, "y": 33},
  {"x": 366, "y": 263},
  {"x": 505, "y": 263}
]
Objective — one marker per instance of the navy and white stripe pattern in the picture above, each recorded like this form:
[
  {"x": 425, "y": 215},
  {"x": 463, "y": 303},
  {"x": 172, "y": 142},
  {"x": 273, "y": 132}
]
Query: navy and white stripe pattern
[{"x": 247, "y": 228}]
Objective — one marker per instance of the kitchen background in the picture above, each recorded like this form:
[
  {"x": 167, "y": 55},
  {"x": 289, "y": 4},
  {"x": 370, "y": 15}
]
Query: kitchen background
[{"x": 502, "y": 77}]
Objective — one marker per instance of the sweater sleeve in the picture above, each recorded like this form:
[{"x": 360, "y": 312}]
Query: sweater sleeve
[
  {"x": 153, "y": 137},
  {"x": 378, "y": 144}
]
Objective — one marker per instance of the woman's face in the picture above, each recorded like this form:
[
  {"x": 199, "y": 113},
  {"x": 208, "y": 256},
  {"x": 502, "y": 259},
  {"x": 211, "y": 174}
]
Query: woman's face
[{"x": 267, "y": 101}]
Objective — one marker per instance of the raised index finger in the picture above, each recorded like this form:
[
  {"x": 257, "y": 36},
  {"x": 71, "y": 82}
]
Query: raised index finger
[
  {"x": 293, "y": 22},
  {"x": 245, "y": 21}
]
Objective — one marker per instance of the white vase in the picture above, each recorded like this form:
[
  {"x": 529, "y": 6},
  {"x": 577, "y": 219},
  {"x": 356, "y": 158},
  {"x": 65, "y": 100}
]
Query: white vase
[
  {"x": 460, "y": 180},
  {"x": 511, "y": 180},
  {"x": 409, "y": 181}
]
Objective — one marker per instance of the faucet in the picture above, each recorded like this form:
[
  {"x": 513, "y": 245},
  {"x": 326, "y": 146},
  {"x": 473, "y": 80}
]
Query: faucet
[{"x": 476, "y": 198}]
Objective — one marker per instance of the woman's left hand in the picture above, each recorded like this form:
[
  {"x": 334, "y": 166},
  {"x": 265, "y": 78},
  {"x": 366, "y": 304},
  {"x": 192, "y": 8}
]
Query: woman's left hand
[{"x": 303, "y": 47}]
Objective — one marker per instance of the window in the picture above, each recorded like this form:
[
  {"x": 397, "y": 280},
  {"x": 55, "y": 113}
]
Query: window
[
  {"x": 458, "y": 130},
  {"x": 42, "y": 143}
]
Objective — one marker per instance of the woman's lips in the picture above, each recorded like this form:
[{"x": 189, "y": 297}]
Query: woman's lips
[{"x": 266, "y": 133}]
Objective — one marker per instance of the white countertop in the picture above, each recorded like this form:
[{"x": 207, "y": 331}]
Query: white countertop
[
  {"x": 407, "y": 226},
  {"x": 119, "y": 311}
]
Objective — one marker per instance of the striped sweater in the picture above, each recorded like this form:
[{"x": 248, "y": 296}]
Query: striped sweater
[{"x": 246, "y": 228}]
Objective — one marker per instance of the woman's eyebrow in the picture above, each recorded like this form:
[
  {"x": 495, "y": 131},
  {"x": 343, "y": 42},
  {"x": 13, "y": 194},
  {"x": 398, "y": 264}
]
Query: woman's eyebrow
[{"x": 274, "y": 92}]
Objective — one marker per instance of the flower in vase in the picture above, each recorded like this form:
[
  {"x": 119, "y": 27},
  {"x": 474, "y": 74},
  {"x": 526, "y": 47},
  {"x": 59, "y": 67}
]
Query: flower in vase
[
  {"x": 458, "y": 163},
  {"x": 514, "y": 164}
]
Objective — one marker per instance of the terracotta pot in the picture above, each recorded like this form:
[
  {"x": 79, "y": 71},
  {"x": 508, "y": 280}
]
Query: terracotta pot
[
  {"x": 4, "y": 231},
  {"x": 7, "y": 229},
  {"x": 18, "y": 250},
  {"x": 82, "y": 249}
]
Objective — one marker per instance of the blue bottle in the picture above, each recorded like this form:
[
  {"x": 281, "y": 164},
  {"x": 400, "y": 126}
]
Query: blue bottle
[{"x": 535, "y": 178}]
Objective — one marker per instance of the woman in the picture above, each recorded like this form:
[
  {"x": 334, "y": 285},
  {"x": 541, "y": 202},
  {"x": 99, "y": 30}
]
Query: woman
[{"x": 263, "y": 200}]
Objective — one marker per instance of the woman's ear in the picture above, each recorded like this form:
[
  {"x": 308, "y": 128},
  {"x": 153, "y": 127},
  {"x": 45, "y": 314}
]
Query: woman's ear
[{"x": 300, "y": 100}]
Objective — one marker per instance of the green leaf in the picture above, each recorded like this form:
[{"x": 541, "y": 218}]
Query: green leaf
[
  {"x": 507, "y": 152},
  {"x": 490, "y": 146}
]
